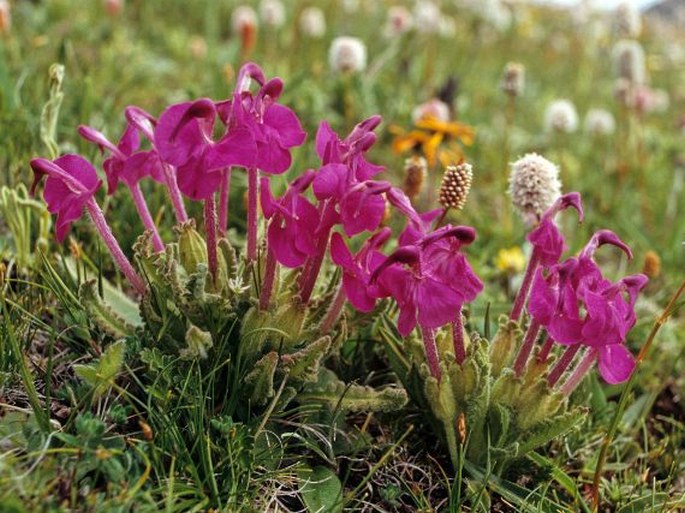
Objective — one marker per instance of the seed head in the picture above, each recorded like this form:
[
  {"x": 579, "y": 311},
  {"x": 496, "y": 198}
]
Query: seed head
[
  {"x": 513, "y": 79},
  {"x": 347, "y": 54},
  {"x": 533, "y": 186},
  {"x": 415, "y": 171},
  {"x": 455, "y": 187}
]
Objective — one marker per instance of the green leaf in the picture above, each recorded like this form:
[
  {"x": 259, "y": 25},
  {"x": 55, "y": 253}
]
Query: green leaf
[
  {"x": 261, "y": 379},
  {"x": 322, "y": 491},
  {"x": 102, "y": 374},
  {"x": 655, "y": 502},
  {"x": 104, "y": 314}
]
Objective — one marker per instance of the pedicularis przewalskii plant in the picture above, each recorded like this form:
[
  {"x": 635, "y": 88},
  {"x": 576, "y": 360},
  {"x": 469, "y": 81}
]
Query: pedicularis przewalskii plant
[{"x": 279, "y": 306}]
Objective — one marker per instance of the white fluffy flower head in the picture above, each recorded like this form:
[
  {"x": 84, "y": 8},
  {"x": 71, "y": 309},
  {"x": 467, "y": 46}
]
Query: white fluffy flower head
[
  {"x": 561, "y": 116},
  {"x": 313, "y": 22},
  {"x": 599, "y": 122},
  {"x": 347, "y": 54},
  {"x": 533, "y": 186}
]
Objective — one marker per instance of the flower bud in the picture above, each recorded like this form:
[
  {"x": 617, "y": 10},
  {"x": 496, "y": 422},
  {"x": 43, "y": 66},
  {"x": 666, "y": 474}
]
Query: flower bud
[
  {"x": 5, "y": 17},
  {"x": 347, "y": 54},
  {"x": 272, "y": 13},
  {"x": 192, "y": 247},
  {"x": 652, "y": 265},
  {"x": 561, "y": 116},
  {"x": 415, "y": 169},
  {"x": 533, "y": 186},
  {"x": 513, "y": 79},
  {"x": 455, "y": 187},
  {"x": 599, "y": 122},
  {"x": 244, "y": 25},
  {"x": 313, "y": 22}
]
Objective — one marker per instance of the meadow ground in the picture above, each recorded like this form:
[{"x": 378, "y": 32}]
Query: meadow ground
[{"x": 226, "y": 381}]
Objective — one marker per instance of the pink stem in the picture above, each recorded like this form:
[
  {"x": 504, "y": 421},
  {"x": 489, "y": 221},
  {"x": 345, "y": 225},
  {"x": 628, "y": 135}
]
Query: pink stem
[
  {"x": 579, "y": 372},
  {"x": 210, "y": 230},
  {"x": 175, "y": 194},
  {"x": 268, "y": 283},
  {"x": 113, "y": 246},
  {"x": 458, "y": 338},
  {"x": 563, "y": 363},
  {"x": 546, "y": 349},
  {"x": 312, "y": 268},
  {"x": 526, "y": 347},
  {"x": 522, "y": 294},
  {"x": 223, "y": 201},
  {"x": 333, "y": 313},
  {"x": 252, "y": 192},
  {"x": 431, "y": 348},
  {"x": 145, "y": 216}
]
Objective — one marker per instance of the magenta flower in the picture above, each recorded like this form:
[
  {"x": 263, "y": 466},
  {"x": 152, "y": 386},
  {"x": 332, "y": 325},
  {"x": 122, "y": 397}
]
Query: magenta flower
[
  {"x": 577, "y": 305},
  {"x": 421, "y": 278},
  {"x": 358, "y": 268},
  {"x": 71, "y": 182},
  {"x": 293, "y": 218},
  {"x": 70, "y": 186},
  {"x": 183, "y": 137},
  {"x": 350, "y": 151}
]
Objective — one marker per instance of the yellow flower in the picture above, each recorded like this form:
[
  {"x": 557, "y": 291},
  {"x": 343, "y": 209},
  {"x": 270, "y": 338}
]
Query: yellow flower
[
  {"x": 510, "y": 260},
  {"x": 434, "y": 139}
]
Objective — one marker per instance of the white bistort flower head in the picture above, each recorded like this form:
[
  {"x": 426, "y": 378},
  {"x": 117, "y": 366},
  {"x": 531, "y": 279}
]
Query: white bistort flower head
[
  {"x": 272, "y": 13},
  {"x": 399, "y": 21},
  {"x": 434, "y": 108},
  {"x": 533, "y": 186},
  {"x": 243, "y": 18},
  {"x": 427, "y": 17},
  {"x": 561, "y": 116},
  {"x": 599, "y": 122},
  {"x": 313, "y": 22},
  {"x": 347, "y": 54}
]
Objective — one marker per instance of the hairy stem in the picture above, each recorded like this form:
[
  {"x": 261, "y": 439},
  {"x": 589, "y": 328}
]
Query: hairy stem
[
  {"x": 268, "y": 282},
  {"x": 175, "y": 194},
  {"x": 522, "y": 294},
  {"x": 144, "y": 213},
  {"x": 458, "y": 338},
  {"x": 579, "y": 372},
  {"x": 334, "y": 311},
  {"x": 210, "y": 230},
  {"x": 113, "y": 246},
  {"x": 563, "y": 363},
  {"x": 252, "y": 192},
  {"x": 223, "y": 201},
  {"x": 526, "y": 347},
  {"x": 431, "y": 348}
]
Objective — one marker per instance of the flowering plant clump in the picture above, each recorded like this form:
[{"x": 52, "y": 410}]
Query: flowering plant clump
[{"x": 278, "y": 304}]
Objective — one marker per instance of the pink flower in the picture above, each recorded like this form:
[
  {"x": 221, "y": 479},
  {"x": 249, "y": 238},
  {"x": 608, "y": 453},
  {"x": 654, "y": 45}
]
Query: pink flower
[
  {"x": 430, "y": 280},
  {"x": 577, "y": 305},
  {"x": 183, "y": 137},
  {"x": 547, "y": 240},
  {"x": 350, "y": 151},
  {"x": 291, "y": 232},
  {"x": 125, "y": 162},
  {"x": 274, "y": 127},
  {"x": 71, "y": 182},
  {"x": 357, "y": 269}
]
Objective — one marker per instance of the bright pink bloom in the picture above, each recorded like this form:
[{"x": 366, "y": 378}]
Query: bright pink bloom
[
  {"x": 291, "y": 232},
  {"x": 430, "y": 280},
  {"x": 577, "y": 305},
  {"x": 183, "y": 137},
  {"x": 358, "y": 269},
  {"x": 274, "y": 127},
  {"x": 547, "y": 240},
  {"x": 71, "y": 182}
]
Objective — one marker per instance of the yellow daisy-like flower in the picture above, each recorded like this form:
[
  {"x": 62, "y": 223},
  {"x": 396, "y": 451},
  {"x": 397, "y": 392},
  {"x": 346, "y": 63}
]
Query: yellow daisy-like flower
[
  {"x": 435, "y": 139},
  {"x": 510, "y": 260}
]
